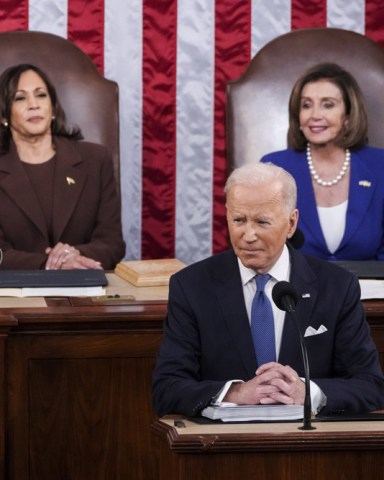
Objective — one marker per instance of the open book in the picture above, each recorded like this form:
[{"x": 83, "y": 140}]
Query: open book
[{"x": 230, "y": 412}]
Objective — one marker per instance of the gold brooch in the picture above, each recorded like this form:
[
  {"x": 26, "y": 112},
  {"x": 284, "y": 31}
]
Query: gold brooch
[
  {"x": 70, "y": 181},
  {"x": 364, "y": 183}
]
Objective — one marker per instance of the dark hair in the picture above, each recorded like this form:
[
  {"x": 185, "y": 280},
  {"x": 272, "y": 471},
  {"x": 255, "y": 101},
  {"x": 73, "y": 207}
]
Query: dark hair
[
  {"x": 355, "y": 133},
  {"x": 9, "y": 81}
]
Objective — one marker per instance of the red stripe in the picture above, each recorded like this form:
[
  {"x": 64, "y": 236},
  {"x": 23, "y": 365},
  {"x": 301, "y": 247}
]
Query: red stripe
[
  {"x": 13, "y": 15},
  {"x": 159, "y": 128},
  {"x": 86, "y": 28},
  {"x": 374, "y": 20},
  {"x": 232, "y": 55},
  {"x": 308, "y": 14}
]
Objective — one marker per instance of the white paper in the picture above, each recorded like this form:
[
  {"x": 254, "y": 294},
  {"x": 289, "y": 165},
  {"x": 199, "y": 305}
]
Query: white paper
[
  {"x": 244, "y": 413},
  {"x": 371, "y": 289},
  {"x": 52, "y": 292}
]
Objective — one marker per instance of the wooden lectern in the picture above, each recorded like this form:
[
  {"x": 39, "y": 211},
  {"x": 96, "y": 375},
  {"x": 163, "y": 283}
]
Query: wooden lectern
[{"x": 273, "y": 451}]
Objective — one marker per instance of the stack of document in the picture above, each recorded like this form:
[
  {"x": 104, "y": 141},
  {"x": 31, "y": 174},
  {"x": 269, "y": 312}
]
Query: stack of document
[
  {"x": 44, "y": 283},
  {"x": 229, "y": 412},
  {"x": 370, "y": 274}
]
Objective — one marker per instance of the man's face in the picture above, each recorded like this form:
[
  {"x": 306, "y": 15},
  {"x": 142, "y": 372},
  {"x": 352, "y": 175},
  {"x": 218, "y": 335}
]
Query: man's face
[{"x": 259, "y": 224}]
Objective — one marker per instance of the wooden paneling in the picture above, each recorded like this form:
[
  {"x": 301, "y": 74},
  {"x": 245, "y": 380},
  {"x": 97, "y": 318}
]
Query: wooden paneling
[
  {"x": 75, "y": 400},
  {"x": 79, "y": 399},
  {"x": 283, "y": 453}
]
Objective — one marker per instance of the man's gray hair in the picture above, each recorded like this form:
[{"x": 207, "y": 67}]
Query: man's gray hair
[{"x": 257, "y": 173}]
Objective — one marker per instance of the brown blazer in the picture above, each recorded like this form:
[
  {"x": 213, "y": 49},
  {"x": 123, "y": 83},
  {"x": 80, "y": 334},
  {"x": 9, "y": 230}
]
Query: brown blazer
[{"x": 86, "y": 208}]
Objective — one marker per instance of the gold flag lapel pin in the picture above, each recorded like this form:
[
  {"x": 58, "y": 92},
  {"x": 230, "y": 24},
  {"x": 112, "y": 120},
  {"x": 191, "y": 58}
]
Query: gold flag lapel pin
[
  {"x": 70, "y": 181},
  {"x": 365, "y": 183}
]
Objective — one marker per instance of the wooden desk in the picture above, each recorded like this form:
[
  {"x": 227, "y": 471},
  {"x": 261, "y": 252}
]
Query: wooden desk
[
  {"x": 278, "y": 451},
  {"x": 375, "y": 315},
  {"x": 78, "y": 388},
  {"x": 75, "y": 380}
]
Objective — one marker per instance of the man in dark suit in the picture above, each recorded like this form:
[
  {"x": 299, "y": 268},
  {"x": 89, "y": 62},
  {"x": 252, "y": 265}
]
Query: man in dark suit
[{"x": 208, "y": 355}]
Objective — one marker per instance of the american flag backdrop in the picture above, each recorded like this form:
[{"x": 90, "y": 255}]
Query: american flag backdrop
[{"x": 172, "y": 59}]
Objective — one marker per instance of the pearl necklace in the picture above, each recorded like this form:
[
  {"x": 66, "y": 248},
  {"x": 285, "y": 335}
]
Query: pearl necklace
[{"x": 339, "y": 176}]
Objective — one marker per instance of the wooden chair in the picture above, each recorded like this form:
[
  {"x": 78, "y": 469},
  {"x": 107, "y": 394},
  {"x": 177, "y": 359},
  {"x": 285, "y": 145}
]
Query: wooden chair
[
  {"x": 257, "y": 102},
  {"x": 89, "y": 100}
]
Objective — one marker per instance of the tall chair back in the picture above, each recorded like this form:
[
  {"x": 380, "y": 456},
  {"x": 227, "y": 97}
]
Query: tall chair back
[
  {"x": 257, "y": 102},
  {"x": 90, "y": 101}
]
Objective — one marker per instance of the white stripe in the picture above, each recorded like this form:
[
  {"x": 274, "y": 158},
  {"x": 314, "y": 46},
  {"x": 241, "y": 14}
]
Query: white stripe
[
  {"x": 194, "y": 133},
  {"x": 123, "y": 63},
  {"x": 270, "y": 18},
  {"x": 49, "y": 16},
  {"x": 195, "y": 97},
  {"x": 347, "y": 15}
]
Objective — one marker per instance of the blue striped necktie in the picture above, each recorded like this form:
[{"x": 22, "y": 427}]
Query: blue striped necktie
[{"x": 262, "y": 324}]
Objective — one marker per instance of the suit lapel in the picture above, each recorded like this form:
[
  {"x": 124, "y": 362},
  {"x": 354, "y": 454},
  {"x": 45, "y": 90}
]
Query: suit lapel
[
  {"x": 361, "y": 190},
  {"x": 231, "y": 300},
  {"x": 362, "y": 187},
  {"x": 70, "y": 177},
  {"x": 230, "y": 297},
  {"x": 15, "y": 182},
  {"x": 302, "y": 278}
]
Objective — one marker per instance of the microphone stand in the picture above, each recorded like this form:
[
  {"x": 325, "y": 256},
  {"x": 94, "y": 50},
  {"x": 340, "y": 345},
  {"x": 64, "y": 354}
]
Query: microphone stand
[{"x": 307, "y": 400}]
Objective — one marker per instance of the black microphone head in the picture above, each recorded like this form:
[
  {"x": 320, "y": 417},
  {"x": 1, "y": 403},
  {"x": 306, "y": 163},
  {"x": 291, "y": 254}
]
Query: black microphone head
[
  {"x": 285, "y": 296},
  {"x": 297, "y": 239}
]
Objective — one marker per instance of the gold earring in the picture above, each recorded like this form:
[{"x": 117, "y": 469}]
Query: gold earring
[{"x": 5, "y": 123}]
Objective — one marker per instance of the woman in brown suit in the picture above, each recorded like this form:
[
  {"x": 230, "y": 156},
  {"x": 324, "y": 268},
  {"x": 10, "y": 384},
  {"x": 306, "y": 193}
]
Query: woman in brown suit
[{"x": 58, "y": 202}]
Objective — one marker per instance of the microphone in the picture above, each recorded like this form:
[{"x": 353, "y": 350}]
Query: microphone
[
  {"x": 297, "y": 239},
  {"x": 285, "y": 297}
]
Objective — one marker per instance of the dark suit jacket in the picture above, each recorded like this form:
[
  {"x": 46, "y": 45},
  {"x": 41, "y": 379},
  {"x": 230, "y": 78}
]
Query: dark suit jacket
[
  {"x": 207, "y": 339},
  {"x": 364, "y": 230},
  {"x": 86, "y": 211}
]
